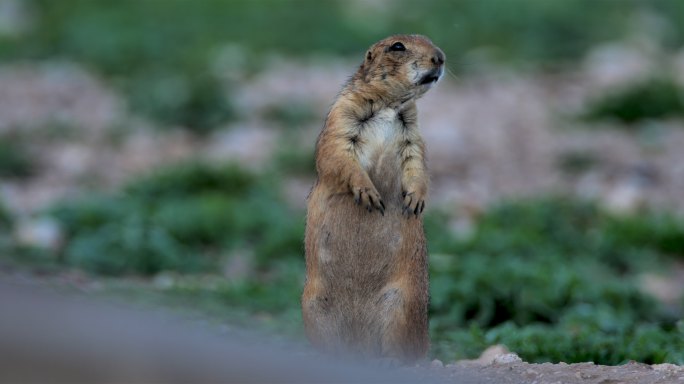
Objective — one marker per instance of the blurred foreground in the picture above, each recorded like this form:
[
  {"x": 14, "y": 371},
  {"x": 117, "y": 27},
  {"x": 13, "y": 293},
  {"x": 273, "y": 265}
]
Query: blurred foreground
[{"x": 89, "y": 342}]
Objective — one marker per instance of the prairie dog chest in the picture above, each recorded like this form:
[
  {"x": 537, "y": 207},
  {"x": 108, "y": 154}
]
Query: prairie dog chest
[{"x": 378, "y": 137}]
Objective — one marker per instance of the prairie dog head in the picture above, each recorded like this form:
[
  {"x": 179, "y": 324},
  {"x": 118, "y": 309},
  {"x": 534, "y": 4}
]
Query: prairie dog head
[{"x": 402, "y": 67}]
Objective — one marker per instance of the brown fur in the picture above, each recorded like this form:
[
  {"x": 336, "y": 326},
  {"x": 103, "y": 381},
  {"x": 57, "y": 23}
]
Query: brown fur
[{"x": 366, "y": 288}]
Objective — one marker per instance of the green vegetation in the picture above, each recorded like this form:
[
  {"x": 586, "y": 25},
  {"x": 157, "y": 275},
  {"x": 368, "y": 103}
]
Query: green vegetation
[
  {"x": 291, "y": 114},
  {"x": 573, "y": 163},
  {"x": 655, "y": 98},
  {"x": 294, "y": 161},
  {"x": 199, "y": 103},
  {"x": 268, "y": 300},
  {"x": 533, "y": 32},
  {"x": 186, "y": 218},
  {"x": 6, "y": 219},
  {"x": 555, "y": 280},
  {"x": 15, "y": 162},
  {"x": 144, "y": 34}
]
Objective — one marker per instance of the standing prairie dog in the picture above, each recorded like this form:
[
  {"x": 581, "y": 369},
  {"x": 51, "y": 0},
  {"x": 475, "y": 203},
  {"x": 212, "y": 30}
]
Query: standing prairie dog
[{"x": 366, "y": 289}]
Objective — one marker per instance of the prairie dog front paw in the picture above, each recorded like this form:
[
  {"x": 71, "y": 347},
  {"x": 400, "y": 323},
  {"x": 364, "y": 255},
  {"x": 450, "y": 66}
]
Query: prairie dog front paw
[
  {"x": 366, "y": 195},
  {"x": 414, "y": 195}
]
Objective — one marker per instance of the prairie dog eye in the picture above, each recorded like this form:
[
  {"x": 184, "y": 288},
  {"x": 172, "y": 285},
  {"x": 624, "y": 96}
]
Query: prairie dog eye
[{"x": 397, "y": 47}]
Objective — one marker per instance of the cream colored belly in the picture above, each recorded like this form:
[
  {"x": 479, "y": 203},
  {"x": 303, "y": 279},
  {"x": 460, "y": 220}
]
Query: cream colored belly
[{"x": 379, "y": 137}]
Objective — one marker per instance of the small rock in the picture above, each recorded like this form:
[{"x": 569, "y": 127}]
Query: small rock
[
  {"x": 163, "y": 281},
  {"x": 667, "y": 289},
  {"x": 667, "y": 367},
  {"x": 624, "y": 197},
  {"x": 490, "y": 354},
  {"x": 486, "y": 358},
  {"x": 508, "y": 358},
  {"x": 239, "y": 265},
  {"x": 436, "y": 364},
  {"x": 43, "y": 232},
  {"x": 249, "y": 145},
  {"x": 531, "y": 374},
  {"x": 637, "y": 364},
  {"x": 584, "y": 375},
  {"x": 15, "y": 18}
]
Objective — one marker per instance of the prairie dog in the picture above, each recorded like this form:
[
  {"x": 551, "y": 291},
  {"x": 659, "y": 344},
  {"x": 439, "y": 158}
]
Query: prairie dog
[{"x": 366, "y": 290}]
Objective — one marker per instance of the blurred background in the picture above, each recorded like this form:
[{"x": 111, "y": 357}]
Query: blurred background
[{"x": 159, "y": 152}]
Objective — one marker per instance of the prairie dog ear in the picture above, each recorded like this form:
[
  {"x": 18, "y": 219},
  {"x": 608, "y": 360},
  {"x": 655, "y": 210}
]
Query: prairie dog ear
[{"x": 365, "y": 68}]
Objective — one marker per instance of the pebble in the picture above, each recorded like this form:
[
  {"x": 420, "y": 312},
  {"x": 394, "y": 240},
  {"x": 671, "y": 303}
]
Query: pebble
[
  {"x": 508, "y": 358},
  {"x": 436, "y": 364},
  {"x": 667, "y": 367},
  {"x": 43, "y": 232}
]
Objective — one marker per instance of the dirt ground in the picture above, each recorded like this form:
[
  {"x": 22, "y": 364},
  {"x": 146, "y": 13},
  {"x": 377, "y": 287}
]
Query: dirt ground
[
  {"x": 509, "y": 368},
  {"x": 583, "y": 373}
]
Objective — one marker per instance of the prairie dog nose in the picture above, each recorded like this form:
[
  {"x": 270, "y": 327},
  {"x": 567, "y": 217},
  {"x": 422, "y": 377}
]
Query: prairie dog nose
[{"x": 438, "y": 57}]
